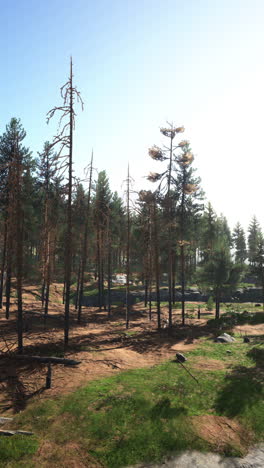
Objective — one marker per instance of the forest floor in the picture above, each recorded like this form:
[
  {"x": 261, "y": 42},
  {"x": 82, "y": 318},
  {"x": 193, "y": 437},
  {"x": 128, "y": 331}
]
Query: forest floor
[{"x": 105, "y": 349}]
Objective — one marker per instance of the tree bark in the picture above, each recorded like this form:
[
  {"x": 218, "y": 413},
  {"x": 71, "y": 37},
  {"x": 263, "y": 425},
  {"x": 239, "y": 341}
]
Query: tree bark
[
  {"x": 68, "y": 252},
  {"x": 3, "y": 266}
]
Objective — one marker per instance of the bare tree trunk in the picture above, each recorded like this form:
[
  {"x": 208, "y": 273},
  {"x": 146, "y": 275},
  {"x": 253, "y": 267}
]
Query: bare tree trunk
[
  {"x": 77, "y": 295},
  {"x": 157, "y": 267},
  {"x": 3, "y": 266},
  {"x": 48, "y": 277},
  {"x": 109, "y": 267},
  {"x": 217, "y": 304},
  {"x": 43, "y": 288},
  {"x": 170, "y": 238},
  {"x": 99, "y": 266},
  {"x": 128, "y": 253},
  {"x": 173, "y": 278},
  {"x": 103, "y": 277},
  {"x": 183, "y": 283},
  {"x": 8, "y": 285},
  {"x": 84, "y": 250},
  {"x": 146, "y": 289},
  {"x": 19, "y": 250},
  {"x": 68, "y": 256},
  {"x": 150, "y": 298},
  {"x": 63, "y": 292},
  {"x": 182, "y": 247}
]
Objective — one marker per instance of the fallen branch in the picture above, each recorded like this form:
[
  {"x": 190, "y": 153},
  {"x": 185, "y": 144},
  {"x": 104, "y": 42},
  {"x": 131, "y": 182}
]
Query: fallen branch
[
  {"x": 188, "y": 371},
  {"x": 11, "y": 433}
]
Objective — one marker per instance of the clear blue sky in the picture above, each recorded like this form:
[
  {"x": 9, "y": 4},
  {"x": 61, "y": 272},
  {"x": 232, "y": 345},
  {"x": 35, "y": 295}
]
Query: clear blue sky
[{"x": 137, "y": 64}]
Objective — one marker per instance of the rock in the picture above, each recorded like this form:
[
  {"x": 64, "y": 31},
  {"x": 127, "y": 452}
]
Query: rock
[
  {"x": 225, "y": 338},
  {"x": 246, "y": 339},
  {"x": 180, "y": 357}
]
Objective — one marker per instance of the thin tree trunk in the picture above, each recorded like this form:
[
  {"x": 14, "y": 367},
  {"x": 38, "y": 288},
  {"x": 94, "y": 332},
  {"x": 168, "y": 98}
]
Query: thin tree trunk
[
  {"x": 43, "y": 288},
  {"x": 8, "y": 286},
  {"x": 99, "y": 270},
  {"x": 84, "y": 250},
  {"x": 150, "y": 298},
  {"x": 3, "y": 266},
  {"x": 46, "y": 311},
  {"x": 19, "y": 251},
  {"x": 182, "y": 248},
  {"x": 68, "y": 253},
  {"x": 128, "y": 254},
  {"x": 103, "y": 275},
  {"x": 170, "y": 238},
  {"x": 78, "y": 287},
  {"x": 183, "y": 283},
  {"x": 157, "y": 268},
  {"x": 109, "y": 272},
  {"x": 173, "y": 279},
  {"x": 146, "y": 290}
]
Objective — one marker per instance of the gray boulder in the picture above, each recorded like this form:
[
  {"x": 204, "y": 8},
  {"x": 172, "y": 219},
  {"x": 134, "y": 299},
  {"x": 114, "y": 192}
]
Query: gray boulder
[{"x": 224, "y": 338}]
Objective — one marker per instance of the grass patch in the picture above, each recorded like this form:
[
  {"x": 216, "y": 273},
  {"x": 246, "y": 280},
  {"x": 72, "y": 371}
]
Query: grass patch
[{"x": 15, "y": 448}]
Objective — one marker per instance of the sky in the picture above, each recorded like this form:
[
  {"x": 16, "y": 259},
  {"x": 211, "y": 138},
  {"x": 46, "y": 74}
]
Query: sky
[{"x": 139, "y": 64}]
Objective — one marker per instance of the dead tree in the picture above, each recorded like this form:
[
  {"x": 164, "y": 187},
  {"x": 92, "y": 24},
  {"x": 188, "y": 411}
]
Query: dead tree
[
  {"x": 64, "y": 139},
  {"x": 128, "y": 181}
]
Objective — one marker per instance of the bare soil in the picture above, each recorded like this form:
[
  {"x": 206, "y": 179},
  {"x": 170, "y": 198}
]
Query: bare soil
[{"x": 220, "y": 431}]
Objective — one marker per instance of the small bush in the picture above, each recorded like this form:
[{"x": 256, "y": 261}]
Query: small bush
[{"x": 210, "y": 304}]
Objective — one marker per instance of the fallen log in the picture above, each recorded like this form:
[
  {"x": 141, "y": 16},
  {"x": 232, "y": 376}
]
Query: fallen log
[
  {"x": 11, "y": 433},
  {"x": 47, "y": 359}
]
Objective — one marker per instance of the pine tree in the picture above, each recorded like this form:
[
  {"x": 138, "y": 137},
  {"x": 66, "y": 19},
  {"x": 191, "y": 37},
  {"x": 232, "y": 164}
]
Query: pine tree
[
  {"x": 101, "y": 211},
  {"x": 14, "y": 160},
  {"x": 85, "y": 240},
  {"x": 189, "y": 196},
  {"x": 47, "y": 168},
  {"x": 254, "y": 238},
  {"x": 239, "y": 242},
  {"x": 208, "y": 233}
]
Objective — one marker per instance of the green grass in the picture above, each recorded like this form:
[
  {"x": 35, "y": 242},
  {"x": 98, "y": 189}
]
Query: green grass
[
  {"x": 15, "y": 447},
  {"x": 144, "y": 414}
]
